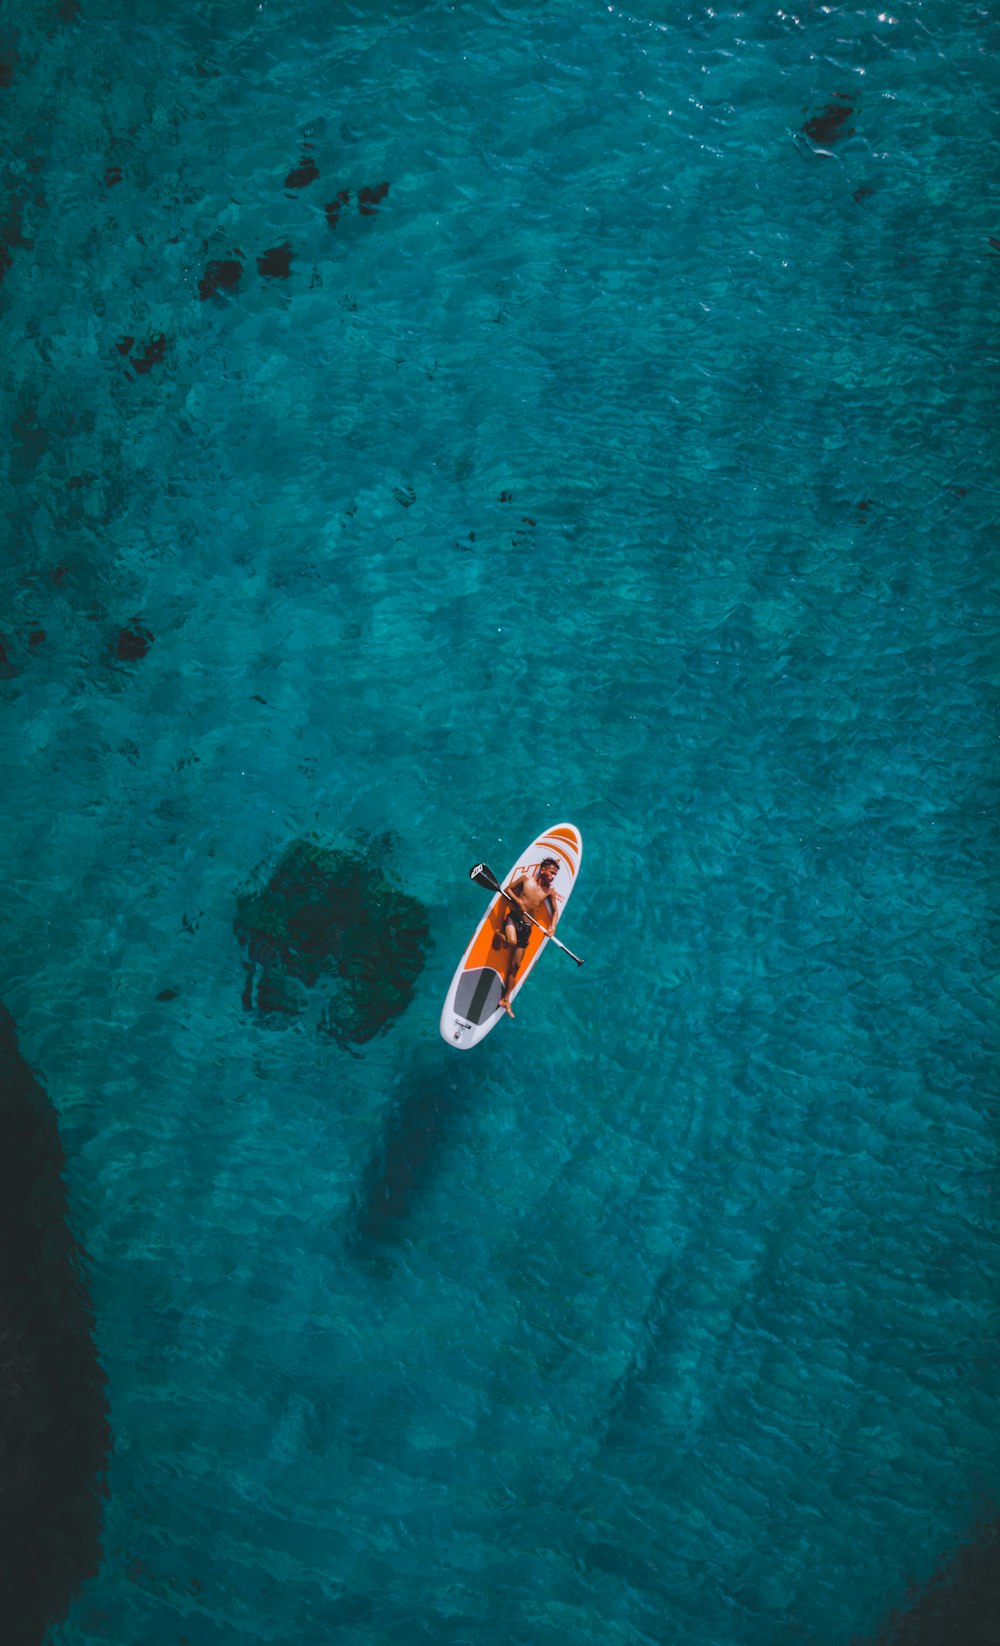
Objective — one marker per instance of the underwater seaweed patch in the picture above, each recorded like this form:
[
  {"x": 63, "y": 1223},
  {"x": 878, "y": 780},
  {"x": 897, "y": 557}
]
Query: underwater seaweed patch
[{"x": 332, "y": 921}]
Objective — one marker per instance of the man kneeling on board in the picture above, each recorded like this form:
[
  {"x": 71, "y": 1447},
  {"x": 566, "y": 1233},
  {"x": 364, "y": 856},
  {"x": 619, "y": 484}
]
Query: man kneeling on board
[{"x": 532, "y": 895}]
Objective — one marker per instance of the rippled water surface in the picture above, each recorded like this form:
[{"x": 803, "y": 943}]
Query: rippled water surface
[{"x": 630, "y": 459}]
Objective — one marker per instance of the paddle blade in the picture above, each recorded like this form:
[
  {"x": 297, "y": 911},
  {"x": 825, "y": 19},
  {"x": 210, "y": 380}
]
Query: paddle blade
[{"x": 484, "y": 876}]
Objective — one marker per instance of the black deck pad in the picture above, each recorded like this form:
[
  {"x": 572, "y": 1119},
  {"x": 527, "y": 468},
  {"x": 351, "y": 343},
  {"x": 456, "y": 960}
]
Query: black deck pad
[{"x": 478, "y": 994}]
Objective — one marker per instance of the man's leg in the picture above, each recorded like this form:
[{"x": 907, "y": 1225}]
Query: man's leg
[
  {"x": 506, "y": 937},
  {"x": 512, "y": 967}
]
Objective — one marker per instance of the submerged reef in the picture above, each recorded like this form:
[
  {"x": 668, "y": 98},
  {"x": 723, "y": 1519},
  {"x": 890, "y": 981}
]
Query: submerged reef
[
  {"x": 303, "y": 174},
  {"x": 54, "y": 1431},
  {"x": 370, "y": 198},
  {"x": 153, "y": 353},
  {"x": 131, "y": 643},
  {"x": 221, "y": 275},
  {"x": 276, "y": 264},
  {"x": 331, "y": 923}
]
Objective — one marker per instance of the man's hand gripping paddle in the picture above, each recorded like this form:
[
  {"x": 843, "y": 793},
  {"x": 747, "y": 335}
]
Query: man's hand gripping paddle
[{"x": 483, "y": 875}]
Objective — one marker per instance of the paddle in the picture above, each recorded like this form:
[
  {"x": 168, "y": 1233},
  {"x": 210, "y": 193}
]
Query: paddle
[{"x": 484, "y": 876}]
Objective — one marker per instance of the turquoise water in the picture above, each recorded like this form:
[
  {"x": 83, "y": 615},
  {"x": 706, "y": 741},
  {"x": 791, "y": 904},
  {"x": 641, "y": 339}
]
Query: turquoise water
[{"x": 631, "y": 460}]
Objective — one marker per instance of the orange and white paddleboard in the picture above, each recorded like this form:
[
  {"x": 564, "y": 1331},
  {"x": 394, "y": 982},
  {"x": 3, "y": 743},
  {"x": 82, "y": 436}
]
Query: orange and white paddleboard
[{"x": 472, "y": 1007}]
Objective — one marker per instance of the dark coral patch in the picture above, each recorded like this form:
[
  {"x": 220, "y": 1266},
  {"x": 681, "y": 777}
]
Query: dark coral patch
[
  {"x": 829, "y": 124},
  {"x": 305, "y": 172},
  {"x": 8, "y": 60},
  {"x": 132, "y": 643},
  {"x": 276, "y": 264},
  {"x": 223, "y": 275},
  {"x": 333, "y": 207},
  {"x": 332, "y": 921},
  {"x": 30, "y": 437},
  {"x": 152, "y": 354},
  {"x": 369, "y": 199},
  {"x": 54, "y": 1431},
  {"x": 112, "y": 176},
  {"x": 12, "y": 233}
]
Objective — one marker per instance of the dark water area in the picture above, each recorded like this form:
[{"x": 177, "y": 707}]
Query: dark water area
[
  {"x": 960, "y": 1604},
  {"x": 419, "y": 1120},
  {"x": 55, "y": 1436}
]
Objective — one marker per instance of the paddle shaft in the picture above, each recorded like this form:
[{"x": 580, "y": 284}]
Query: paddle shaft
[{"x": 486, "y": 877}]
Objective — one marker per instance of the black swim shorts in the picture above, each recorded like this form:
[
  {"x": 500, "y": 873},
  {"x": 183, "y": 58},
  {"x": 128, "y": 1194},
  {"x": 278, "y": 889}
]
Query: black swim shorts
[{"x": 521, "y": 924}]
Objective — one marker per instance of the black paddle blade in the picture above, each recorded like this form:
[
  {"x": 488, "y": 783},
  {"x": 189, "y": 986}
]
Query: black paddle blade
[{"x": 483, "y": 875}]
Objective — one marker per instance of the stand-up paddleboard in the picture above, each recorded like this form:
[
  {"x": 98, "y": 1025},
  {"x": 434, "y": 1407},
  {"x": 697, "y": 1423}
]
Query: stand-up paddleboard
[{"x": 472, "y": 1007}]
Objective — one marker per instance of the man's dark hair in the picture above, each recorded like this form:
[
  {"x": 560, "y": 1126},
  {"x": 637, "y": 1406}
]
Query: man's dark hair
[{"x": 547, "y": 860}]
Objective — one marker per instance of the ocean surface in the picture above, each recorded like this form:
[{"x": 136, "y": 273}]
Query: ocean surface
[{"x": 608, "y": 432}]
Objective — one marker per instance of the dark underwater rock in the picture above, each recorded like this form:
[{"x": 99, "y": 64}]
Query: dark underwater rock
[
  {"x": 332, "y": 921},
  {"x": 370, "y": 198},
  {"x": 276, "y": 264},
  {"x": 829, "y": 124},
  {"x": 152, "y": 355},
  {"x": 305, "y": 172},
  {"x": 12, "y": 232},
  {"x": 960, "y": 1605},
  {"x": 8, "y": 63},
  {"x": 221, "y": 275},
  {"x": 132, "y": 643},
  {"x": 54, "y": 1431},
  {"x": 333, "y": 208}
]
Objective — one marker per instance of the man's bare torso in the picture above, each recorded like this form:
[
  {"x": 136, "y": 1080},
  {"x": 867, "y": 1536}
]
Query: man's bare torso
[{"x": 534, "y": 898}]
